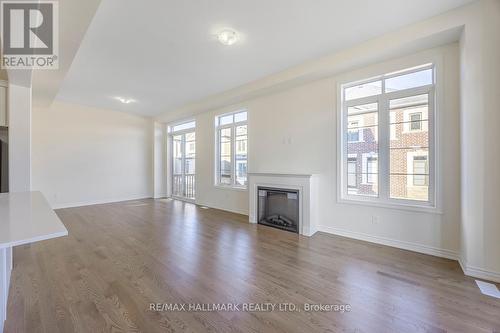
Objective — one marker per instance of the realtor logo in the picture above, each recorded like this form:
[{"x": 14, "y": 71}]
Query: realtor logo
[{"x": 29, "y": 34}]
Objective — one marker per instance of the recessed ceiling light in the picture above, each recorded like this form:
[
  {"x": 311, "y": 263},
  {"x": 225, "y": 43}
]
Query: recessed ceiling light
[
  {"x": 125, "y": 100},
  {"x": 228, "y": 36}
]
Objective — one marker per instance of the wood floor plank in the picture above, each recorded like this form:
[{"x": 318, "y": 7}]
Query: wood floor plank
[{"x": 121, "y": 257}]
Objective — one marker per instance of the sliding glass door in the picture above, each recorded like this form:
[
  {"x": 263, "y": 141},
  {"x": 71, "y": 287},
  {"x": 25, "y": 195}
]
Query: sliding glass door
[{"x": 183, "y": 153}]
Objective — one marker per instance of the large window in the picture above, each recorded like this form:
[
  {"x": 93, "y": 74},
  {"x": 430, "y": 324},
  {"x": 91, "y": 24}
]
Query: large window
[
  {"x": 232, "y": 149},
  {"x": 387, "y": 134}
]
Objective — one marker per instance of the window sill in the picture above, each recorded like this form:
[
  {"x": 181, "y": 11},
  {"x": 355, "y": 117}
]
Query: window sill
[
  {"x": 230, "y": 187},
  {"x": 390, "y": 205}
]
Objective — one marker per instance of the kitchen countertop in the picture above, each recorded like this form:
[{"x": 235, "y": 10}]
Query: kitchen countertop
[{"x": 26, "y": 217}]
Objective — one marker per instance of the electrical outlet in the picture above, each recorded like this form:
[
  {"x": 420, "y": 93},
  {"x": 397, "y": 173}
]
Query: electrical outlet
[{"x": 374, "y": 219}]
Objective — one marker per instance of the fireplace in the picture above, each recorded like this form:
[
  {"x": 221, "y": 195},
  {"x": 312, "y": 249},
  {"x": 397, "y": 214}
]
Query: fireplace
[
  {"x": 299, "y": 191},
  {"x": 278, "y": 208}
]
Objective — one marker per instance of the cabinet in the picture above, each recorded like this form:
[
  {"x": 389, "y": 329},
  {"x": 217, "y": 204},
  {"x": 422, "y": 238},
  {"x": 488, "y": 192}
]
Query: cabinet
[{"x": 3, "y": 104}]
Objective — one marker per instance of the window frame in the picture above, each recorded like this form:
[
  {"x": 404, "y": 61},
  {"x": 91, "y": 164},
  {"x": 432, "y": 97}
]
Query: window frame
[
  {"x": 233, "y": 127},
  {"x": 383, "y": 199}
]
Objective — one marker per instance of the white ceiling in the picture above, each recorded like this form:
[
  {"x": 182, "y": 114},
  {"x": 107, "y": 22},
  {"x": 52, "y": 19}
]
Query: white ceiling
[{"x": 163, "y": 53}]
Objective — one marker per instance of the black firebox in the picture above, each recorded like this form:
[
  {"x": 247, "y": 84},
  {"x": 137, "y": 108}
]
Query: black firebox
[{"x": 278, "y": 208}]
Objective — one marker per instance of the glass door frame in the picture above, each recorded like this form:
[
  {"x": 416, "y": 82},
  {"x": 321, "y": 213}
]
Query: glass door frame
[{"x": 172, "y": 173}]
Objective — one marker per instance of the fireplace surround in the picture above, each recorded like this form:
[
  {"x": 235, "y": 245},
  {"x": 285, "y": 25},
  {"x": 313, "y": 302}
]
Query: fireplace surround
[{"x": 305, "y": 187}]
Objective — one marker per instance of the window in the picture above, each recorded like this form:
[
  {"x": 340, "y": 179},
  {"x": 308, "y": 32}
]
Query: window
[
  {"x": 398, "y": 108},
  {"x": 415, "y": 121},
  {"x": 353, "y": 131},
  {"x": 232, "y": 149},
  {"x": 352, "y": 174},
  {"x": 371, "y": 170},
  {"x": 420, "y": 171}
]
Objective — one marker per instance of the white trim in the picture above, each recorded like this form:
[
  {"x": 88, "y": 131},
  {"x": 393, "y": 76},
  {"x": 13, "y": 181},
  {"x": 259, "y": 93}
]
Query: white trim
[
  {"x": 231, "y": 187},
  {"x": 99, "y": 202},
  {"x": 479, "y": 273},
  {"x": 410, "y": 246},
  {"x": 298, "y": 175},
  {"x": 391, "y": 204},
  {"x": 235, "y": 211}
]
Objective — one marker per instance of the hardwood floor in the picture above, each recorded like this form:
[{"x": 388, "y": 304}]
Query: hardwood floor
[{"x": 119, "y": 258}]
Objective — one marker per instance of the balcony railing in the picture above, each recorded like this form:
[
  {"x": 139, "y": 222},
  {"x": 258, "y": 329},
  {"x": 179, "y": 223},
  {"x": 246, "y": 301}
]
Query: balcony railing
[{"x": 184, "y": 186}]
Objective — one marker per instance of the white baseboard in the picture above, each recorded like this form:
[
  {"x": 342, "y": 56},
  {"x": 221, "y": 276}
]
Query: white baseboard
[
  {"x": 99, "y": 202},
  {"x": 415, "y": 247},
  {"x": 236, "y": 211},
  {"x": 479, "y": 273}
]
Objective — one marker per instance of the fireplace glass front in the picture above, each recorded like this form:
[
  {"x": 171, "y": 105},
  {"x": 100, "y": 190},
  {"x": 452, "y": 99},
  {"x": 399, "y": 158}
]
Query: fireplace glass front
[{"x": 278, "y": 208}]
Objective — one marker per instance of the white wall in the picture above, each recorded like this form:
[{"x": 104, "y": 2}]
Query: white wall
[
  {"x": 160, "y": 161},
  {"x": 295, "y": 132},
  {"x": 480, "y": 111},
  {"x": 19, "y": 108},
  {"x": 84, "y": 155}
]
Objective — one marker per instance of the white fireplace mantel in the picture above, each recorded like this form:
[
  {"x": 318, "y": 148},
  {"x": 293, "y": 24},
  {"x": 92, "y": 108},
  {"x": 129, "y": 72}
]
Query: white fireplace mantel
[{"x": 308, "y": 196}]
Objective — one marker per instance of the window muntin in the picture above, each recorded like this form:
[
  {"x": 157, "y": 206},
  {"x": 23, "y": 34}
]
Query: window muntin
[
  {"x": 232, "y": 149},
  {"x": 399, "y": 168}
]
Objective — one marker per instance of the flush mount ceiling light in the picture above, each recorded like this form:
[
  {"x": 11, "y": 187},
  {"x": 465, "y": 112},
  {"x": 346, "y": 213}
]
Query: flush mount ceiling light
[
  {"x": 228, "y": 37},
  {"x": 125, "y": 100}
]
